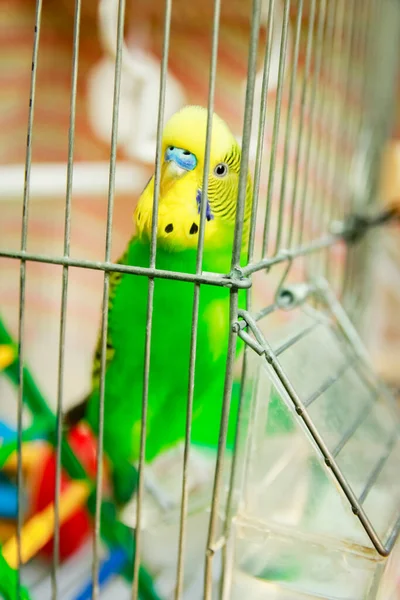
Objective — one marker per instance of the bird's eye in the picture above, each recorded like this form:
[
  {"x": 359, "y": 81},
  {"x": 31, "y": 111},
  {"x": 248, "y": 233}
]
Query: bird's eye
[
  {"x": 186, "y": 152},
  {"x": 221, "y": 170},
  {"x": 170, "y": 147}
]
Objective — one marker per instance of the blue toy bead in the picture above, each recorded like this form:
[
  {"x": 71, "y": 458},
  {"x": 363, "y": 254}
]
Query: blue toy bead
[
  {"x": 7, "y": 433},
  {"x": 110, "y": 567},
  {"x": 8, "y": 500}
]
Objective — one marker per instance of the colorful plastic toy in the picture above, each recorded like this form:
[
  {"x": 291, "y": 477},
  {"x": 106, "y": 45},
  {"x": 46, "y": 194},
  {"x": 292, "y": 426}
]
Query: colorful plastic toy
[
  {"x": 8, "y": 499},
  {"x": 77, "y": 528},
  {"x": 7, "y": 356},
  {"x": 77, "y": 498},
  {"x": 8, "y": 583},
  {"x": 40, "y": 528},
  {"x": 109, "y": 567}
]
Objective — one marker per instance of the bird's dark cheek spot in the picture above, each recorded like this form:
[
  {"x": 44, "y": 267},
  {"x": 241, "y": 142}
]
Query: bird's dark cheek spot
[
  {"x": 139, "y": 216},
  {"x": 194, "y": 229},
  {"x": 169, "y": 228}
]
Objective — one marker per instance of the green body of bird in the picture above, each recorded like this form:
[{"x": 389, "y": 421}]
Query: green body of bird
[{"x": 177, "y": 238}]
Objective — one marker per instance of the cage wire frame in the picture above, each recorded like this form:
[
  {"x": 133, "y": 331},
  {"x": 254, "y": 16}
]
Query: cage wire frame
[
  {"x": 289, "y": 297},
  {"x": 378, "y": 93},
  {"x": 366, "y": 30}
]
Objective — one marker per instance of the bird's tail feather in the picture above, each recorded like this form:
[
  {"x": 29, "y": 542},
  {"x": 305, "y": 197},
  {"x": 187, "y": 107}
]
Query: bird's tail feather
[{"x": 76, "y": 413}]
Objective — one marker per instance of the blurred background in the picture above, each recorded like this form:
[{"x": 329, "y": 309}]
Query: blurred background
[{"x": 189, "y": 58}]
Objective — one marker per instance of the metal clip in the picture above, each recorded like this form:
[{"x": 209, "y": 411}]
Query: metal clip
[
  {"x": 355, "y": 226},
  {"x": 292, "y": 296}
]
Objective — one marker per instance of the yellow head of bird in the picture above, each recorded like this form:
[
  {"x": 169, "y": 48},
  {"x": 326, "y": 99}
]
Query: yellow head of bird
[{"x": 181, "y": 183}]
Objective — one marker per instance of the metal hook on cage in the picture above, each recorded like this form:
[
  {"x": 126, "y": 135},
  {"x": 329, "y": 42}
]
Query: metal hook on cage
[
  {"x": 292, "y": 296},
  {"x": 279, "y": 297},
  {"x": 257, "y": 343},
  {"x": 288, "y": 297},
  {"x": 356, "y": 225}
]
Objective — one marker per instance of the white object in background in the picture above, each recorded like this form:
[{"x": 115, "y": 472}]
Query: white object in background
[
  {"x": 276, "y": 42},
  {"x": 139, "y": 92},
  {"x": 274, "y": 66},
  {"x": 49, "y": 180},
  {"x": 160, "y": 530}
]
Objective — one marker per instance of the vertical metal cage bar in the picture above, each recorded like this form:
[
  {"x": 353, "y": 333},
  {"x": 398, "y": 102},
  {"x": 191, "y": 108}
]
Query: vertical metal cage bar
[
  {"x": 304, "y": 88},
  {"x": 256, "y": 190},
  {"x": 338, "y": 196},
  {"x": 335, "y": 137},
  {"x": 233, "y": 308},
  {"x": 311, "y": 126},
  {"x": 64, "y": 294},
  {"x": 343, "y": 203},
  {"x": 210, "y": 109},
  {"x": 150, "y": 299},
  {"x": 212, "y": 532},
  {"x": 318, "y": 191},
  {"x": 348, "y": 93},
  {"x": 277, "y": 117},
  {"x": 261, "y": 129},
  {"x": 22, "y": 284},
  {"x": 226, "y": 573},
  {"x": 288, "y": 131},
  {"x": 322, "y": 116},
  {"x": 239, "y": 430},
  {"x": 248, "y": 116},
  {"x": 367, "y": 144},
  {"x": 363, "y": 50},
  {"x": 381, "y": 35},
  {"x": 100, "y": 438},
  {"x": 196, "y": 301},
  {"x": 106, "y": 285},
  {"x": 28, "y": 158},
  {"x": 352, "y": 135},
  {"x": 356, "y": 116}
]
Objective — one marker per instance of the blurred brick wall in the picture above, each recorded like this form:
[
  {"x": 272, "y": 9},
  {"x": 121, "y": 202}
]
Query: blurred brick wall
[{"x": 189, "y": 62}]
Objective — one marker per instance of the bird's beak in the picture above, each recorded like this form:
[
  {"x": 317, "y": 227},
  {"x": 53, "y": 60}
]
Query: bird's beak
[{"x": 170, "y": 173}]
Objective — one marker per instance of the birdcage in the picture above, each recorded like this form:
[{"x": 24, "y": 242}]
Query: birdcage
[{"x": 298, "y": 495}]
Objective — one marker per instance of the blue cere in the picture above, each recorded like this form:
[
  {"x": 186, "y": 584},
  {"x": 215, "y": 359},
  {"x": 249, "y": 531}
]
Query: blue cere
[{"x": 183, "y": 158}]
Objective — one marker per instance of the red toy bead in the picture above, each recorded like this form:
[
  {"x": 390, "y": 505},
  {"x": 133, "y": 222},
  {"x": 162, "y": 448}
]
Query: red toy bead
[
  {"x": 76, "y": 530},
  {"x": 73, "y": 532},
  {"x": 84, "y": 444}
]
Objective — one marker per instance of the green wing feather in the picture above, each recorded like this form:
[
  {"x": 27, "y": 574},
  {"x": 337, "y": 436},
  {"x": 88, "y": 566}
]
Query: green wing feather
[
  {"x": 169, "y": 361},
  {"x": 114, "y": 281}
]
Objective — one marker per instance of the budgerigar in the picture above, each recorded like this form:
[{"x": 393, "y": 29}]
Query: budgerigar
[{"x": 183, "y": 150}]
